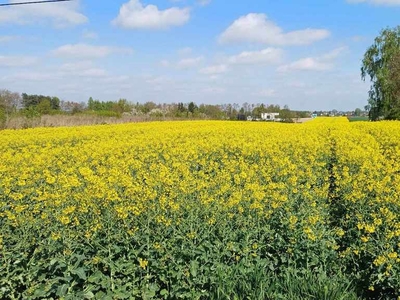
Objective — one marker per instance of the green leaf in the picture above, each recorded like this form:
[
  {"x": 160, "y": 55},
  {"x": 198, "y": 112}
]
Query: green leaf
[
  {"x": 149, "y": 294},
  {"x": 40, "y": 293},
  {"x": 80, "y": 272},
  {"x": 100, "y": 295},
  {"x": 193, "y": 268},
  {"x": 96, "y": 277},
  {"x": 88, "y": 295},
  {"x": 62, "y": 290}
]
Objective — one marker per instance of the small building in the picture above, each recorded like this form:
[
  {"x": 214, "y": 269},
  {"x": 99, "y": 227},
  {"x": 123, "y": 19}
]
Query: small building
[{"x": 269, "y": 116}]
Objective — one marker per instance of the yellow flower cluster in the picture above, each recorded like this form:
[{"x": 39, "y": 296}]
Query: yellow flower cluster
[
  {"x": 325, "y": 177},
  {"x": 65, "y": 174}
]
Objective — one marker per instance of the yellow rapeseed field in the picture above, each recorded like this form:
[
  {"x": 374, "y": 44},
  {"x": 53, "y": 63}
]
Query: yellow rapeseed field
[{"x": 164, "y": 210}]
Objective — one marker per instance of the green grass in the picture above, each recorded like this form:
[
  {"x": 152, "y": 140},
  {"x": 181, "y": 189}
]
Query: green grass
[{"x": 358, "y": 119}]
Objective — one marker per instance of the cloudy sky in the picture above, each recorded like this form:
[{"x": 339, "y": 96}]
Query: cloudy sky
[{"x": 306, "y": 54}]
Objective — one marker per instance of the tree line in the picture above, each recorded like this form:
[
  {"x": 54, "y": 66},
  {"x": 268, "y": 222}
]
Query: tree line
[{"x": 31, "y": 106}]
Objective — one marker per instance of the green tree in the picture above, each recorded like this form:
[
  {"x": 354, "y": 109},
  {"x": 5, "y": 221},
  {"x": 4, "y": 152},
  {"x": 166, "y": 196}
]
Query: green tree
[
  {"x": 36, "y": 100},
  {"x": 259, "y": 109},
  {"x": 181, "y": 107},
  {"x": 9, "y": 103},
  {"x": 358, "y": 112},
  {"x": 29, "y": 100},
  {"x": 91, "y": 104},
  {"x": 3, "y": 117},
  {"x": 274, "y": 108},
  {"x": 286, "y": 115},
  {"x": 211, "y": 111},
  {"x": 148, "y": 107},
  {"x": 381, "y": 64},
  {"x": 192, "y": 107},
  {"x": 55, "y": 103},
  {"x": 122, "y": 106},
  {"x": 44, "y": 107}
]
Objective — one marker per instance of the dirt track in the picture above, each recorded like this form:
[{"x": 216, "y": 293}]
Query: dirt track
[{"x": 302, "y": 120}]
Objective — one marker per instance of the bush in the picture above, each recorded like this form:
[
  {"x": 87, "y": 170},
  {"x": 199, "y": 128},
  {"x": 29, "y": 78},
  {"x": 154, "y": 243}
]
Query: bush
[{"x": 3, "y": 118}]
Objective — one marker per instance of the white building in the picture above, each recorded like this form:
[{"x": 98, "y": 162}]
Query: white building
[{"x": 269, "y": 116}]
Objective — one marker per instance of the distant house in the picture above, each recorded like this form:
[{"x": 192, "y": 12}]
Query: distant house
[{"x": 269, "y": 116}]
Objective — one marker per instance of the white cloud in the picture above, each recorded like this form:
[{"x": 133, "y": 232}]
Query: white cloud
[
  {"x": 185, "y": 51},
  {"x": 88, "y": 51},
  {"x": 187, "y": 63},
  {"x": 165, "y": 63},
  {"x": 266, "y": 56},
  {"x": 377, "y": 2},
  {"x": 184, "y": 63},
  {"x": 134, "y": 15},
  {"x": 8, "y": 38},
  {"x": 76, "y": 66},
  {"x": 82, "y": 69},
  {"x": 90, "y": 35},
  {"x": 214, "y": 90},
  {"x": 266, "y": 93},
  {"x": 214, "y": 77},
  {"x": 115, "y": 79},
  {"x": 17, "y": 61},
  {"x": 157, "y": 80},
  {"x": 308, "y": 63},
  {"x": 333, "y": 54},
  {"x": 92, "y": 72},
  {"x": 297, "y": 84},
  {"x": 357, "y": 38},
  {"x": 203, "y": 2},
  {"x": 30, "y": 77},
  {"x": 60, "y": 14},
  {"x": 214, "y": 70},
  {"x": 257, "y": 28},
  {"x": 321, "y": 63}
]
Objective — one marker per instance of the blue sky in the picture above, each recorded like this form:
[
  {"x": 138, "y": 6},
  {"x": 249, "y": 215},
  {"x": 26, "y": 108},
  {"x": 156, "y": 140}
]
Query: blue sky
[{"x": 306, "y": 54}]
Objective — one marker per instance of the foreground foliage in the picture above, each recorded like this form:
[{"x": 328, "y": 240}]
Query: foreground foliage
[{"x": 200, "y": 210}]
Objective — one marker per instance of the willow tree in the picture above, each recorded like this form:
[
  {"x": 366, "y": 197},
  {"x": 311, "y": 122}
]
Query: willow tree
[{"x": 381, "y": 64}]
